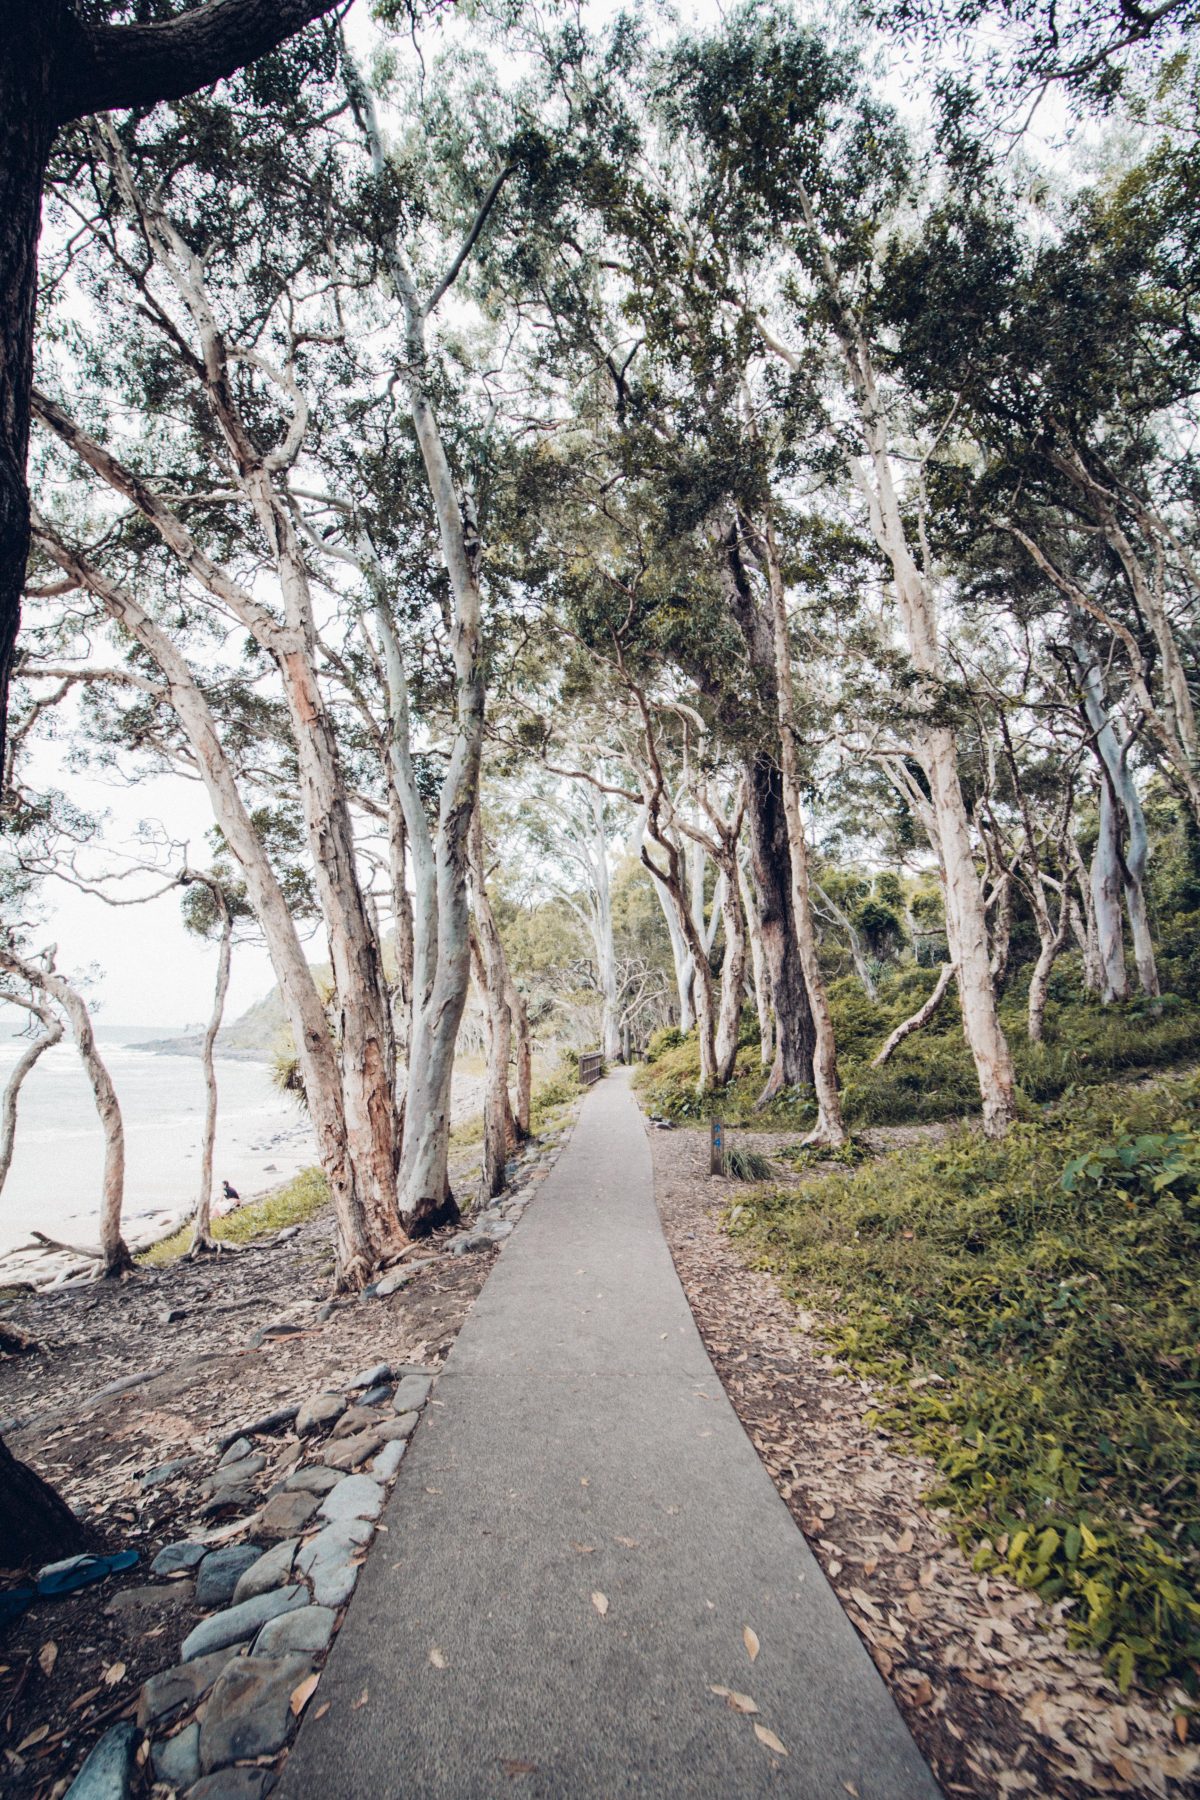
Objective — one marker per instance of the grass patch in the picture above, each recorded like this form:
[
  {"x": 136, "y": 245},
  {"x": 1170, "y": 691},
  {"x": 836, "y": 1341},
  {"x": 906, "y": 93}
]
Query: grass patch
[
  {"x": 1033, "y": 1308},
  {"x": 297, "y": 1200},
  {"x": 931, "y": 1076},
  {"x": 748, "y": 1165}
]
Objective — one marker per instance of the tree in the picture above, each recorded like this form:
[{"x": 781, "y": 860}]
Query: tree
[{"x": 60, "y": 62}]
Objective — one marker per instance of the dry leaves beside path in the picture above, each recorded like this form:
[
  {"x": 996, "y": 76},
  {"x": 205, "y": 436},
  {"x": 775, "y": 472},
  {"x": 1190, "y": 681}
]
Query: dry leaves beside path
[{"x": 996, "y": 1700}]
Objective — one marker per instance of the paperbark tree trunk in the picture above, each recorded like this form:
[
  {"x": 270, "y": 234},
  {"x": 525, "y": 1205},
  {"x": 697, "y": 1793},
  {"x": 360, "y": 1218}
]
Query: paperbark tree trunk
[
  {"x": 795, "y": 1032},
  {"x": 202, "y": 1237},
  {"x": 523, "y": 1057},
  {"x": 52, "y": 1031},
  {"x": 114, "y": 1252},
  {"x": 916, "y": 1020},
  {"x": 733, "y": 976},
  {"x": 1106, "y": 901},
  {"x": 829, "y": 1127},
  {"x": 758, "y": 965},
  {"x": 491, "y": 967},
  {"x": 357, "y": 1257},
  {"x": 681, "y": 957},
  {"x": 36, "y": 1524},
  {"x": 1124, "y": 800}
]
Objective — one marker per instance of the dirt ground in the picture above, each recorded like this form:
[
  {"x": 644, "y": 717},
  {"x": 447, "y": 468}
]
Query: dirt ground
[
  {"x": 211, "y": 1349},
  {"x": 996, "y": 1700}
]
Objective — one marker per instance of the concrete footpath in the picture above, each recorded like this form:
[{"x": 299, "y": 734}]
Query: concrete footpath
[{"x": 578, "y": 1537}]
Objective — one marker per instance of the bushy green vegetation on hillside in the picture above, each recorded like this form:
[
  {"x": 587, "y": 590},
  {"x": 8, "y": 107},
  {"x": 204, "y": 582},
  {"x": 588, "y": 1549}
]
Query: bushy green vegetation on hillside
[{"x": 1032, "y": 1308}]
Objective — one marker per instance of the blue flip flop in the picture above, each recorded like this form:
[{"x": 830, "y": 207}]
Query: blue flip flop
[{"x": 79, "y": 1571}]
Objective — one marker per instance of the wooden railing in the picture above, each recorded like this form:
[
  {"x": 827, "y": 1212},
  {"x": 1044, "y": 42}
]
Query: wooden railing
[{"x": 591, "y": 1066}]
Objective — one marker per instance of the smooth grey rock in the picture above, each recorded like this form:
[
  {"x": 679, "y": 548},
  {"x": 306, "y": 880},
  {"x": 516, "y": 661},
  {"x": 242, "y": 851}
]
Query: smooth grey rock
[
  {"x": 321, "y": 1409},
  {"x": 234, "y": 1784},
  {"x": 355, "y": 1418},
  {"x": 369, "y": 1378},
  {"x": 167, "y": 1471},
  {"x": 329, "y": 1560},
  {"x": 240, "y": 1447},
  {"x": 249, "y": 1710},
  {"x": 286, "y": 1514},
  {"x": 238, "y": 1623},
  {"x": 270, "y": 1571},
  {"x": 403, "y": 1427},
  {"x": 375, "y": 1396},
  {"x": 387, "y": 1463},
  {"x": 237, "y": 1474},
  {"x": 412, "y": 1393},
  {"x": 177, "y": 1690},
  {"x": 313, "y": 1479},
  {"x": 176, "y": 1760},
  {"x": 395, "y": 1279},
  {"x": 221, "y": 1570},
  {"x": 347, "y": 1453},
  {"x": 308, "y": 1628},
  {"x": 107, "y": 1774},
  {"x": 149, "y": 1602},
  {"x": 358, "y": 1497},
  {"x": 182, "y": 1555}
]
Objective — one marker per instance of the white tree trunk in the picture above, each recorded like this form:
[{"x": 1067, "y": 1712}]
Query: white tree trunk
[
  {"x": 733, "y": 975},
  {"x": 759, "y": 970},
  {"x": 52, "y": 1030},
  {"x": 114, "y": 1252},
  {"x": 1118, "y": 777},
  {"x": 202, "y": 1238},
  {"x": 916, "y": 1020}
]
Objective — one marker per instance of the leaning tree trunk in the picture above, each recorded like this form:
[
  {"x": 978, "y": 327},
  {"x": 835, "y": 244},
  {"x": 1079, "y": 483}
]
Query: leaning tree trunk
[
  {"x": 52, "y": 1034},
  {"x": 202, "y": 1237},
  {"x": 523, "y": 1058},
  {"x": 917, "y": 1020},
  {"x": 733, "y": 976},
  {"x": 114, "y": 1252},
  {"x": 36, "y": 1524}
]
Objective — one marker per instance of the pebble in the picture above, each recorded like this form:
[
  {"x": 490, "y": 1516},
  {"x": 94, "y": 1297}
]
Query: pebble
[
  {"x": 358, "y": 1497},
  {"x": 270, "y": 1571},
  {"x": 249, "y": 1710},
  {"x": 395, "y": 1279},
  {"x": 219, "y": 1573},
  {"x": 177, "y": 1690},
  {"x": 412, "y": 1393},
  {"x": 322, "y": 1409},
  {"x": 329, "y": 1560},
  {"x": 369, "y": 1378},
  {"x": 108, "y": 1771},
  {"x": 167, "y": 1471},
  {"x": 182, "y": 1555},
  {"x": 403, "y": 1427},
  {"x": 150, "y": 1601},
  {"x": 240, "y": 1447},
  {"x": 287, "y": 1513},
  {"x": 389, "y": 1459},
  {"x": 240, "y": 1622},
  {"x": 375, "y": 1396},
  {"x": 355, "y": 1418},
  {"x": 308, "y": 1628},
  {"x": 176, "y": 1760}
]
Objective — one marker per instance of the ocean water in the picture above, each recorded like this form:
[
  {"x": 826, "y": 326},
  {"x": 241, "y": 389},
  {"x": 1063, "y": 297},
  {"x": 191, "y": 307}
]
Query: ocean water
[{"x": 54, "y": 1182}]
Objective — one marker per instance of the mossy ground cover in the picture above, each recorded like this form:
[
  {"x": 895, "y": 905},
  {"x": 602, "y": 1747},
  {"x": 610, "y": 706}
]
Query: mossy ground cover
[
  {"x": 1032, "y": 1308},
  {"x": 930, "y": 1076}
]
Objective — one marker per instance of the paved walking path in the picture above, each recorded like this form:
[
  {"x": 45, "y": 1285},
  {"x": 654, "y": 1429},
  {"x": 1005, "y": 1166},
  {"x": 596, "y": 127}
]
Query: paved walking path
[{"x": 578, "y": 1407}]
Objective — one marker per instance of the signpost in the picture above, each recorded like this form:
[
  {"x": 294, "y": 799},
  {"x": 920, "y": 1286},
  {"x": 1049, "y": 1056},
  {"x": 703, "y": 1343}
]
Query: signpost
[{"x": 716, "y": 1148}]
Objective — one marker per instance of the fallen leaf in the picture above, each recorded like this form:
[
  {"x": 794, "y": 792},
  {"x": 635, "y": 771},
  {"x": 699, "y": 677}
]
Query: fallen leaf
[
  {"x": 905, "y": 1542},
  {"x": 437, "y": 1658},
  {"x": 583, "y": 1549},
  {"x": 769, "y": 1739},
  {"x": 322, "y": 1709},
  {"x": 47, "y": 1657},
  {"x": 1181, "y": 1727},
  {"x": 583, "y": 1481},
  {"x": 914, "y": 1604},
  {"x": 870, "y": 1566},
  {"x": 922, "y": 1694},
  {"x": 722, "y": 1693},
  {"x": 741, "y": 1702},
  {"x": 600, "y": 1602},
  {"x": 82, "y": 1699},
  {"x": 361, "y": 1701},
  {"x": 115, "y": 1672},
  {"x": 303, "y": 1694},
  {"x": 512, "y": 1768},
  {"x": 750, "y": 1639},
  {"x": 849, "y": 1785},
  {"x": 629, "y": 1543},
  {"x": 35, "y": 1737},
  {"x": 1123, "y": 1766}
]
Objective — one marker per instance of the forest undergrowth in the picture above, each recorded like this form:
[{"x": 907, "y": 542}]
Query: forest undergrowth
[{"x": 1033, "y": 1309}]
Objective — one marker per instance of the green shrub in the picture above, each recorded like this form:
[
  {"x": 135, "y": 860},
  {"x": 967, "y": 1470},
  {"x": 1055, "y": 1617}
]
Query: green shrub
[
  {"x": 667, "y": 1037},
  {"x": 748, "y": 1165},
  {"x": 1032, "y": 1308},
  {"x": 290, "y": 1204}
]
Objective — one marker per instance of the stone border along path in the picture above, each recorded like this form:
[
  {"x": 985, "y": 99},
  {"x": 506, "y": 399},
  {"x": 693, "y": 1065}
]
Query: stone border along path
[
  {"x": 590, "y": 1586},
  {"x": 210, "y": 1727}
]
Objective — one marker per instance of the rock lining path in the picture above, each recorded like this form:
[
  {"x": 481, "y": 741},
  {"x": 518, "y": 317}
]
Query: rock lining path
[{"x": 579, "y": 1450}]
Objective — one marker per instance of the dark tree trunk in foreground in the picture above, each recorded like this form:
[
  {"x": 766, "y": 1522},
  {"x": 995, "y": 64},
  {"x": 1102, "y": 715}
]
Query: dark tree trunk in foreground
[
  {"x": 795, "y": 1036},
  {"x": 54, "y": 67},
  {"x": 36, "y": 1525}
]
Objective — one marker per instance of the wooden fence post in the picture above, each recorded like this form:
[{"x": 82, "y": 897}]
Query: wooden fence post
[{"x": 716, "y": 1147}]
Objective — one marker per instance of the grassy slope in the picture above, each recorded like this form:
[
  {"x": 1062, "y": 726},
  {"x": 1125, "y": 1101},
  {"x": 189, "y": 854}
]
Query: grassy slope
[{"x": 1033, "y": 1308}]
